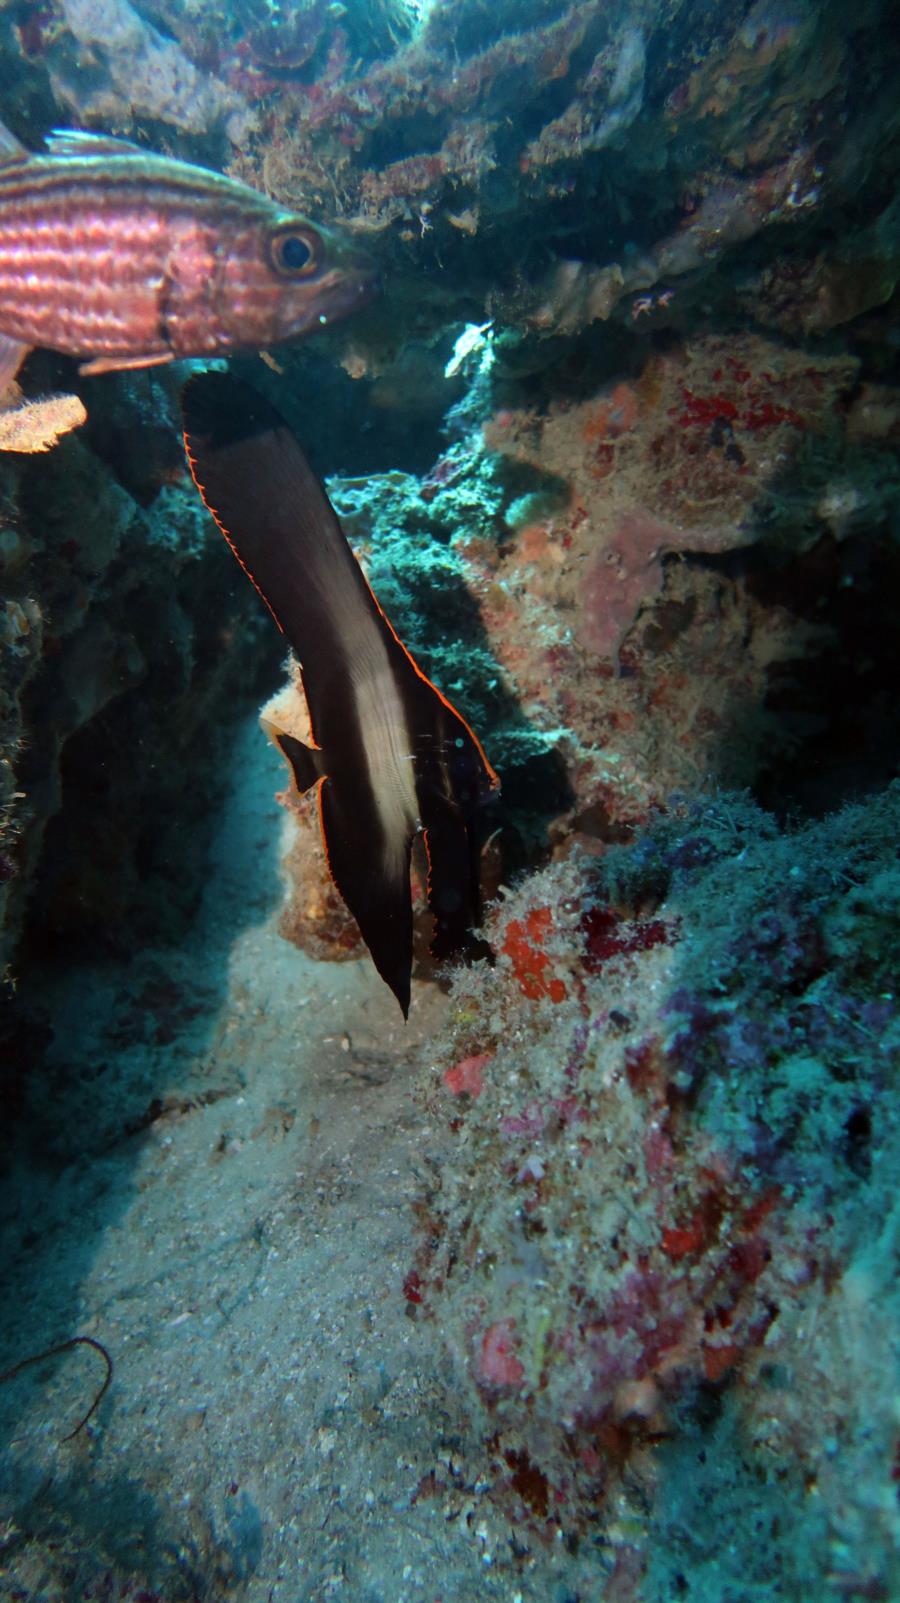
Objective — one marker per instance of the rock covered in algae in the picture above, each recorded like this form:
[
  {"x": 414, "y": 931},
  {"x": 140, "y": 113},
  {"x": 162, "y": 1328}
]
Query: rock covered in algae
[
  {"x": 118, "y": 658},
  {"x": 571, "y": 574},
  {"x": 651, "y": 1258}
]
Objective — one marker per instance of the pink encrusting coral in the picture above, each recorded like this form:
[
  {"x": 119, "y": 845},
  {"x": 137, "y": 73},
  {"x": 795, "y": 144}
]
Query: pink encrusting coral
[
  {"x": 497, "y": 1364},
  {"x": 466, "y": 1078}
]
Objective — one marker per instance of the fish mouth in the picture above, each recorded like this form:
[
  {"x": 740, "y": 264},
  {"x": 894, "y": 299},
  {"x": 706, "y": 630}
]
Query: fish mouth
[
  {"x": 350, "y": 282},
  {"x": 351, "y": 289},
  {"x": 370, "y": 287},
  {"x": 358, "y": 270},
  {"x": 363, "y": 283}
]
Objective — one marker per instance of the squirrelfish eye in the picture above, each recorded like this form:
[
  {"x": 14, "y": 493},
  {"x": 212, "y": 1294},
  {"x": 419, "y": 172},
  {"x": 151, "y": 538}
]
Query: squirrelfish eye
[{"x": 294, "y": 252}]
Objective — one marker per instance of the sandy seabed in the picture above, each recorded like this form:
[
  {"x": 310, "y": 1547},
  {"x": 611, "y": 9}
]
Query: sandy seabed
[{"x": 217, "y": 1184}]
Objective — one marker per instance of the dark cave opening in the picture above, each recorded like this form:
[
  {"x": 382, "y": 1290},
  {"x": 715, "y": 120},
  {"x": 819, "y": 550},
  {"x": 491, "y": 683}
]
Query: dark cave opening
[{"x": 837, "y": 706}]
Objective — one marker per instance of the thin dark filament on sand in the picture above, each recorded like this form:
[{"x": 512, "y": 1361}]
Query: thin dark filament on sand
[{"x": 63, "y": 1347}]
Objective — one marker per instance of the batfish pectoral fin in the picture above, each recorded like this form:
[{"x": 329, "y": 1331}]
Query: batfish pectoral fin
[
  {"x": 306, "y": 764},
  {"x": 12, "y": 355},
  {"x": 374, "y": 885},
  {"x": 124, "y": 364}
]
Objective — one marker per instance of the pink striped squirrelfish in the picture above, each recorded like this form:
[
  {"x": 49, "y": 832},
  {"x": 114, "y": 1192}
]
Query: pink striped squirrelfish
[{"x": 127, "y": 259}]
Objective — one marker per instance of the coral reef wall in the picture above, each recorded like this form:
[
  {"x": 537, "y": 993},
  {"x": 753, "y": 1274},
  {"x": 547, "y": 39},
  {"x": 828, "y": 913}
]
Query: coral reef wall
[{"x": 126, "y": 647}]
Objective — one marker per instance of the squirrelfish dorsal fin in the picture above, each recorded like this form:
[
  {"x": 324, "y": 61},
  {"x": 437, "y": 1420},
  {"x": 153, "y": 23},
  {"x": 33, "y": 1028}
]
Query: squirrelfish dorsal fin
[
  {"x": 84, "y": 142},
  {"x": 11, "y": 148}
]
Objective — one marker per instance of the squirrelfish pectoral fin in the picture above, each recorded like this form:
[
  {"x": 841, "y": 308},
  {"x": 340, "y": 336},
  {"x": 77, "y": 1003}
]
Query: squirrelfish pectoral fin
[
  {"x": 82, "y": 142},
  {"x": 123, "y": 364},
  {"x": 12, "y": 355}
]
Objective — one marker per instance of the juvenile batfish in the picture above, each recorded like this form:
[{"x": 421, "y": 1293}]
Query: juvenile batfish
[
  {"x": 127, "y": 259},
  {"x": 391, "y": 758}
]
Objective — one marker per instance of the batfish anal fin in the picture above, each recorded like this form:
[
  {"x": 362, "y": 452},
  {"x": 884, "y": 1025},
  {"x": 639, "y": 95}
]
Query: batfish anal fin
[
  {"x": 306, "y": 765},
  {"x": 124, "y": 364},
  {"x": 84, "y": 142},
  {"x": 12, "y": 355},
  {"x": 379, "y": 899}
]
